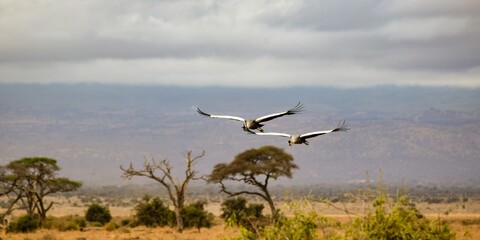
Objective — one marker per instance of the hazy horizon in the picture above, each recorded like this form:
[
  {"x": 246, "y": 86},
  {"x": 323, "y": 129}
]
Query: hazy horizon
[
  {"x": 414, "y": 134},
  {"x": 97, "y": 84}
]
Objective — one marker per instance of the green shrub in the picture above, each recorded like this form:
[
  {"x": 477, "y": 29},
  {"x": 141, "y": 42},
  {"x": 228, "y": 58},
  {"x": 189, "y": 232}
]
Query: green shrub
[
  {"x": 48, "y": 222},
  {"x": 233, "y": 207},
  {"x": 194, "y": 215},
  {"x": 111, "y": 226},
  {"x": 81, "y": 222},
  {"x": 96, "y": 224},
  {"x": 68, "y": 226},
  {"x": 303, "y": 225},
  {"x": 236, "y": 212},
  {"x": 66, "y": 223},
  {"x": 25, "y": 223},
  {"x": 125, "y": 222},
  {"x": 300, "y": 226},
  {"x": 153, "y": 213},
  {"x": 399, "y": 220},
  {"x": 98, "y": 213}
]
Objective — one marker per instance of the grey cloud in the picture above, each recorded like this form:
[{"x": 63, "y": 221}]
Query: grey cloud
[
  {"x": 330, "y": 15},
  {"x": 218, "y": 39},
  {"x": 357, "y": 32}
]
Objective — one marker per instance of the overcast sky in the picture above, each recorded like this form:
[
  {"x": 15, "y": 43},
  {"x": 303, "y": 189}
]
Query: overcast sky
[{"x": 265, "y": 43}]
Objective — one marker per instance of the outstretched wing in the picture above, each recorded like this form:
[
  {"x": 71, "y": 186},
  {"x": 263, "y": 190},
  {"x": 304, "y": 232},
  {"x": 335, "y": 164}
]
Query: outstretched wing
[
  {"x": 298, "y": 108},
  {"x": 220, "y": 116},
  {"x": 271, "y": 134},
  {"x": 342, "y": 127}
]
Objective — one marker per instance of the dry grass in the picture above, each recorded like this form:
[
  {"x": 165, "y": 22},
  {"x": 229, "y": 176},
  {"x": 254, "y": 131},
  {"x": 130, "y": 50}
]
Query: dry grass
[
  {"x": 467, "y": 227},
  {"x": 143, "y": 233},
  {"x": 464, "y": 220}
]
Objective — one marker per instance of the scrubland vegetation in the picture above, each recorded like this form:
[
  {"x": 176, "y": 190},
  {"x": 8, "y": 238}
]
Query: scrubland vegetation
[
  {"x": 44, "y": 206},
  {"x": 360, "y": 211}
]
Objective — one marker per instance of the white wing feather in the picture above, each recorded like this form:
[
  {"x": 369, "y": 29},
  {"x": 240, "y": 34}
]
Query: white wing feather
[
  {"x": 220, "y": 116},
  {"x": 272, "y": 134},
  {"x": 228, "y": 117},
  {"x": 273, "y": 115},
  {"x": 298, "y": 108},
  {"x": 342, "y": 127},
  {"x": 314, "y": 134}
]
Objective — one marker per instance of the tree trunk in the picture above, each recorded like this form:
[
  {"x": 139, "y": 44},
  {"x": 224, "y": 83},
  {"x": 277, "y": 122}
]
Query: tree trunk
[
  {"x": 179, "y": 219},
  {"x": 272, "y": 208},
  {"x": 270, "y": 202}
]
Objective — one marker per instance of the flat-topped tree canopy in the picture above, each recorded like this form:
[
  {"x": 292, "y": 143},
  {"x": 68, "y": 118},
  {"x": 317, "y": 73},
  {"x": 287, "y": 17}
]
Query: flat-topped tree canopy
[{"x": 255, "y": 167}]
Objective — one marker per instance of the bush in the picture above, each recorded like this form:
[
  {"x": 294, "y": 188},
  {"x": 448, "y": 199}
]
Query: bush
[
  {"x": 25, "y": 223},
  {"x": 98, "y": 213},
  {"x": 96, "y": 224},
  {"x": 194, "y": 215},
  {"x": 67, "y": 223},
  {"x": 235, "y": 211},
  {"x": 303, "y": 225},
  {"x": 68, "y": 226},
  {"x": 111, "y": 226},
  {"x": 152, "y": 213},
  {"x": 300, "y": 226},
  {"x": 400, "y": 220},
  {"x": 125, "y": 222},
  {"x": 233, "y": 206}
]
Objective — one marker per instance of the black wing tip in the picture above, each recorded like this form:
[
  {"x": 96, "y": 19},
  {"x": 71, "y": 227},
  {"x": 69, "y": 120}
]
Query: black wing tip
[
  {"x": 202, "y": 112},
  {"x": 297, "y": 109},
  {"x": 342, "y": 127}
]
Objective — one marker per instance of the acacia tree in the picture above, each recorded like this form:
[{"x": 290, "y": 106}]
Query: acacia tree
[
  {"x": 10, "y": 192},
  {"x": 255, "y": 167},
  {"x": 162, "y": 173},
  {"x": 32, "y": 180}
]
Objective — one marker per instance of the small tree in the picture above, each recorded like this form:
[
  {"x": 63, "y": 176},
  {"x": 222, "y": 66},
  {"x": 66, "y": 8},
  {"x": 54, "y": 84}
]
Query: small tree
[
  {"x": 31, "y": 180},
  {"x": 8, "y": 188},
  {"x": 162, "y": 173},
  {"x": 98, "y": 213},
  {"x": 255, "y": 167},
  {"x": 153, "y": 213}
]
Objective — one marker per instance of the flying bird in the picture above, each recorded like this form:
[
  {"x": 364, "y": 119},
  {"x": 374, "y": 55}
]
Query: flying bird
[
  {"x": 302, "y": 138},
  {"x": 256, "y": 124}
]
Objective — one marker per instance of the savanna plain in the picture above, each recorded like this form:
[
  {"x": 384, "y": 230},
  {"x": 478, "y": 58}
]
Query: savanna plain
[{"x": 460, "y": 211}]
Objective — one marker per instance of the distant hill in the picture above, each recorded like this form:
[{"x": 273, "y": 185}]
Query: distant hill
[{"x": 411, "y": 133}]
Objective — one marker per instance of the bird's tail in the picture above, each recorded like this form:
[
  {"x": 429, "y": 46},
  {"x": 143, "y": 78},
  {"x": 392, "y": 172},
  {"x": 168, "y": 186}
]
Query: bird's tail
[{"x": 248, "y": 130}]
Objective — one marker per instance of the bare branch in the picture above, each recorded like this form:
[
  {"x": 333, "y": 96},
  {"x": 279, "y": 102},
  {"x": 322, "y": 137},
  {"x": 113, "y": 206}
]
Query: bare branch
[
  {"x": 233, "y": 194},
  {"x": 162, "y": 172}
]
